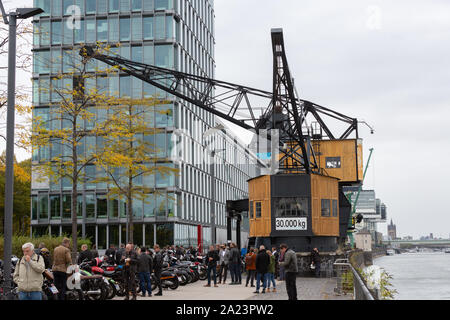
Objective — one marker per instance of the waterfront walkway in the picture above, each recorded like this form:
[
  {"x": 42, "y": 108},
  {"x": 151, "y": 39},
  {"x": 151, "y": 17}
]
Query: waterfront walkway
[{"x": 307, "y": 289}]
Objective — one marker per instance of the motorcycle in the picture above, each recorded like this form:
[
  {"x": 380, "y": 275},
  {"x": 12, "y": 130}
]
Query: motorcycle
[
  {"x": 49, "y": 290},
  {"x": 95, "y": 267},
  {"x": 168, "y": 279},
  {"x": 94, "y": 287}
]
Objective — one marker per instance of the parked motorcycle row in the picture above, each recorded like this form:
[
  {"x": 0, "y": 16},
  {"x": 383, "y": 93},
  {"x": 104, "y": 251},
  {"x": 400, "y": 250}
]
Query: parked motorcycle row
[{"x": 98, "y": 280}]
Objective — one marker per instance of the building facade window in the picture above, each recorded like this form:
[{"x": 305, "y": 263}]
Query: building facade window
[{"x": 325, "y": 207}]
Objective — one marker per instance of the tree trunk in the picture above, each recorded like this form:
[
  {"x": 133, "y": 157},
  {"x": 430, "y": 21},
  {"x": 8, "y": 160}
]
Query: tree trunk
[
  {"x": 74, "y": 195},
  {"x": 130, "y": 215}
]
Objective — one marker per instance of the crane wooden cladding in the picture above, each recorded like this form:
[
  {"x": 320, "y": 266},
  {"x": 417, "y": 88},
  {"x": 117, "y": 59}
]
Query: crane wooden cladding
[
  {"x": 342, "y": 159},
  {"x": 320, "y": 192}
]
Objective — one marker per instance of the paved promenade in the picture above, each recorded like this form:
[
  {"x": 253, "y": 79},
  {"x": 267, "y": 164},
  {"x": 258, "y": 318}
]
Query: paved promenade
[{"x": 307, "y": 289}]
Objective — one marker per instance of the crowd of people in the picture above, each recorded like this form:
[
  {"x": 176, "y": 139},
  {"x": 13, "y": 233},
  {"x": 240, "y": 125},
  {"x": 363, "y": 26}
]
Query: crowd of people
[{"x": 262, "y": 266}]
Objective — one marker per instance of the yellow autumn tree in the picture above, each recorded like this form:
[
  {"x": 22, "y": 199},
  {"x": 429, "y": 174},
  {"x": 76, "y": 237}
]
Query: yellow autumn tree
[{"x": 89, "y": 126}]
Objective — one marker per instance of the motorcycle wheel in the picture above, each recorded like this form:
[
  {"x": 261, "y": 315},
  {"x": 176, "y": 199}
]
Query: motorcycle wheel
[
  {"x": 111, "y": 292},
  {"x": 202, "y": 274},
  {"x": 153, "y": 282},
  {"x": 121, "y": 292},
  {"x": 74, "y": 295},
  {"x": 184, "y": 280},
  {"x": 173, "y": 283},
  {"x": 95, "y": 286}
]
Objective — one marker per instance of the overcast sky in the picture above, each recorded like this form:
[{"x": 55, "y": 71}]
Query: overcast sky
[{"x": 387, "y": 62}]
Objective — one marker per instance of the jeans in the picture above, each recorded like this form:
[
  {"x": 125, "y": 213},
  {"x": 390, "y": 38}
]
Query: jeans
[
  {"x": 271, "y": 278},
  {"x": 60, "y": 279},
  {"x": 237, "y": 272},
  {"x": 259, "y": 277},
  {"x": 32, "y": 295},
  {"x": 291, "y": 285},
  {"x": 214, "y": 270},
  {"x": 250, "y": 276},
  {"x": 223, "y": 272},
  {"x": 145, "y": 283}
]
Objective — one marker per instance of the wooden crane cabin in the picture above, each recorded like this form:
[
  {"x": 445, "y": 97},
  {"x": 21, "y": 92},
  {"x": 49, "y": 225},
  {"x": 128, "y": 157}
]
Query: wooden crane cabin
[
  {"x": 307, "y": 210},
  {"x": 298, "y": 209},
  {"x": 342, "y": 159}
]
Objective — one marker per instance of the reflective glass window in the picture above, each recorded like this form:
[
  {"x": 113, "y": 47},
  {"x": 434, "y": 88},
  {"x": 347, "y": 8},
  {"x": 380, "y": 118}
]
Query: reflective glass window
[
  {"x": 90, "y": 6},
  {"x": 164, "y": 56},
  {"x": 67, "y": 31},
  {"x": 136, "y": 5},
  {"x": 79, "y": 33},
  {"x": 102, "y": 30},
  {"x": 136, "y": 28},
  {"x": 90, "y": 30},
  {"x": 147, "y": 28},
  {"x": 56, "y": 8},
  {"x": 55, "y": 208},
  {"x": 159, "y": 27},
  {"x": 67, "y": 202},
  {"x": 43, "y": 206},
  {"x": 113, "y": 5},
  {"x": 102, "y": 206},
  {"x": 113, "y": 33},
  {"x": 325, "y": 207},
  {"x": 124, "y": 29}
]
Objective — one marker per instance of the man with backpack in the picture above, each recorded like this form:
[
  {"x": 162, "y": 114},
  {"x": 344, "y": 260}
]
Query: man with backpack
[{"x": 28, "y": 274}]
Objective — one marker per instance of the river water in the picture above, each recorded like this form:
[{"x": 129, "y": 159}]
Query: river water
[{"x": 418, "y": 276}]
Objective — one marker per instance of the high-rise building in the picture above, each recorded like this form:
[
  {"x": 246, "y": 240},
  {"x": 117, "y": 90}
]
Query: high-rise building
[{"x": 176, "y": 34}]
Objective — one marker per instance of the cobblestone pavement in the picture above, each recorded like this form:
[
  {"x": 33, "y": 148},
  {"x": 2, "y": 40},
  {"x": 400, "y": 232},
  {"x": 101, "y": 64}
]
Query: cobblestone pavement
[{"x": 307, "y": 289}]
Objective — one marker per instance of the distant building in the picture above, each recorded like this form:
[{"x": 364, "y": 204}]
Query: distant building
[
  {"x": 363, "y": 240},
  {"x": 392, "y": 231},
  {"x": 407, "y": 238},
  {"x": 431, "y": 236}
]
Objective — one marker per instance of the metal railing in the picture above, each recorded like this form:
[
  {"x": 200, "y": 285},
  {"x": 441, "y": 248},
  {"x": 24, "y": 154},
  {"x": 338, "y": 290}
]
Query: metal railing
[{"x": 345, "y": 272}]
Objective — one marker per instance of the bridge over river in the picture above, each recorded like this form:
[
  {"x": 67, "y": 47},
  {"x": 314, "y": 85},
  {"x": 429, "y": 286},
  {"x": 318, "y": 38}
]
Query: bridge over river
[{"x": 435, "y": 243}]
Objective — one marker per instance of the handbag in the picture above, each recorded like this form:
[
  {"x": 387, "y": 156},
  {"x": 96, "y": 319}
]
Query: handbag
[{"x": 312, "y": 266}]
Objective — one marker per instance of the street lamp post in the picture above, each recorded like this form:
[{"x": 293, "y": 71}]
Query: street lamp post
[{"x": 20, "y": 13}]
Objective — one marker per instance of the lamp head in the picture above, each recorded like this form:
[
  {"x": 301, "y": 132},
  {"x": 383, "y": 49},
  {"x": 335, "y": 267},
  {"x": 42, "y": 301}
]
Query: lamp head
[{"x": 24, "y": 13}]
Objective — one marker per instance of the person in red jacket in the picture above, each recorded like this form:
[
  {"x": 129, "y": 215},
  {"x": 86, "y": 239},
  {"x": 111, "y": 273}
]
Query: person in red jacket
[{"x": 250, "y": 266}]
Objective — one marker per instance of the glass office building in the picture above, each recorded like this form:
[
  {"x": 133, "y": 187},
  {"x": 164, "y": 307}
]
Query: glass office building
[{"x": 176, "y": 34}]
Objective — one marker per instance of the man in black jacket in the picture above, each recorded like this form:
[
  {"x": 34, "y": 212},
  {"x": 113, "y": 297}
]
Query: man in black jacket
[
  {"x": 85, "y": 254},
  {"x": 262, "y": 265},
  {"x": 145, "y": 264},
  {"x": 235, "y": 267},
  {"x": 315, "y": 260},
  {"x": 211, "y": 259},
  {"x": 119, "y": 253},
  {"x": 111, "y": 254},
  {"x": 130, "y": 261},
  {"x": 157, "y": 267}
]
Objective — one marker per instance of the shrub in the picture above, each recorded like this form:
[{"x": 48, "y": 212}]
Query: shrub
[{"x": 50, "y": 242}]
